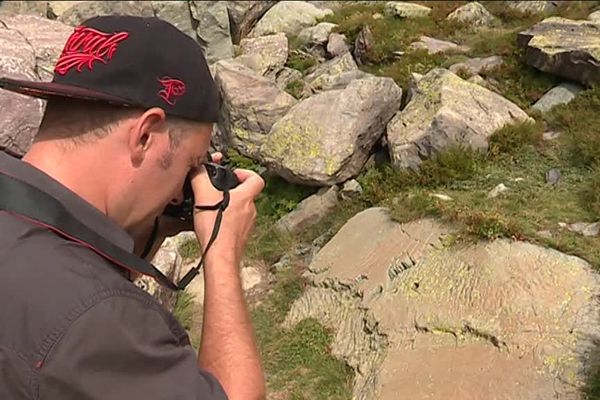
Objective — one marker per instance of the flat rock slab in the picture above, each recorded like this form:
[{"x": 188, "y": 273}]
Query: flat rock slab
[
  {"x": 564, "y": 47},
  {"x": 420, "y": 319},
  {"x": 533, "y": 7},
  {"x": 265, "y": 54},
  {"x": 289, "y": 17},
  {"x": 477, "y": 65},
  {"x": 435, "y": 46},
  {"x": 310, "y": 211},
  {"x": 561, "y": 94}
]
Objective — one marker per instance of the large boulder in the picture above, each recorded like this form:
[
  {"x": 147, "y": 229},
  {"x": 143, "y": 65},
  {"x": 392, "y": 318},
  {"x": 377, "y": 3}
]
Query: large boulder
[
  {"x": 327, "y": 75},
  {"x": 326, "y": 139},
  {"x": 75, "y": 13},
  {"x": 265, "y": 54},
  {"x": 318, "y": 34},
  {"x": 243, "y": 16},
  {"x": 418, "y": 319},
  {"x": 446, "y": 110},
  {"x": 46, "y": 37},
  {"x": 595, "y": 16},
  {"x": 20, "y": 115},
  {"x": 30, "y": 47},
  {"x": 38, "y": 8},
  {"x": 289, "y": 17},
  {"x": 406, "y": 10},
  {"x": 474, "y": 14},
  {"x": 213, "y": 29},
  {"x": 250, "y": 105},
  {"x": 533, "y": 7},
  {"x": 567, "y": 48},
  {"x": 176, "y": 13}
]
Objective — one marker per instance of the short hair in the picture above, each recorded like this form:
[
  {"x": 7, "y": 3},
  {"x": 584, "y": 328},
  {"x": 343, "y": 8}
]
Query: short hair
[{"x": 86, "y": 121}]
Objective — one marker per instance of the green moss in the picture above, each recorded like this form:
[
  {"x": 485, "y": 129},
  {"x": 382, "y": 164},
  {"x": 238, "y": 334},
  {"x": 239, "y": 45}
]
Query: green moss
[
  {"x": 300, "y": 61},
  {"x": 298, "y": 363},
  {"x": 189, "y": 249},
  {"x": 295, "y": 88}
]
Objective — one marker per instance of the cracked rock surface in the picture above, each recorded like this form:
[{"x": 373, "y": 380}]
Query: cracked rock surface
[{"x": 420, "y": 319}]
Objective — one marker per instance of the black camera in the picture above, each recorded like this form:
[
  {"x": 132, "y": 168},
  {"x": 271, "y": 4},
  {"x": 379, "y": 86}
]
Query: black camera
[{"x": 221, "y": 177}]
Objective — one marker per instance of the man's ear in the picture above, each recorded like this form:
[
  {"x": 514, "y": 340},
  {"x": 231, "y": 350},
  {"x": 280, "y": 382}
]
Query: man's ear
[{"x": 143, "y": 133}]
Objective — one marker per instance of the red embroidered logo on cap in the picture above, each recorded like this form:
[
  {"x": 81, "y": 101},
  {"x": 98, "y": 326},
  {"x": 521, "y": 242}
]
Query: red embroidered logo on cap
[
  {"x": 171, "y": 88},
  {"x": 87, "y": 45}
]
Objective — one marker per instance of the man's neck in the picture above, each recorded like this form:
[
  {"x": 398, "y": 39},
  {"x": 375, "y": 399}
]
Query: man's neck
[{"x": 72, "y": 169}]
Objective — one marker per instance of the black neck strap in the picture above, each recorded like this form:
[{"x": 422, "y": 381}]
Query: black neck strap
[{"x": 29, "y": 202}]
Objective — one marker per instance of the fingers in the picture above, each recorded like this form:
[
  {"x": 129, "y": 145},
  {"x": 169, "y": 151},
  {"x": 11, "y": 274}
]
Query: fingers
[
  {"x": 250, "y": 180},
  {"x": 217, "y": 157}
]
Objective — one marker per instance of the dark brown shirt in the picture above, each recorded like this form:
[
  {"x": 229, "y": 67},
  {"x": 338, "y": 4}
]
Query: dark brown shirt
[{"x": 72, "y": 326}]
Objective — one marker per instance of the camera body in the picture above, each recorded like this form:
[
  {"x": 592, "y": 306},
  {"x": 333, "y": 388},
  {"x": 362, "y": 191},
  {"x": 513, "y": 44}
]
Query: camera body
[{"x": 221, "y": 177}]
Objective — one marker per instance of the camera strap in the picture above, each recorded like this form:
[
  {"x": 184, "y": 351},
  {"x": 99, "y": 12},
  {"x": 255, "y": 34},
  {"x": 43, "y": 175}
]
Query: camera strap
[{"x": 36, "y": 206}]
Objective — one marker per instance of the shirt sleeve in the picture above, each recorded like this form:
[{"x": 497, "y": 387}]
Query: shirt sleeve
[{"x": 122, "y": 348}]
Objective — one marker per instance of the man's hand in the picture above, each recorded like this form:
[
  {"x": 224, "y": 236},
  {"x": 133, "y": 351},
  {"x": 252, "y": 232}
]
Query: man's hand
[{"x": 238, "y": 219}]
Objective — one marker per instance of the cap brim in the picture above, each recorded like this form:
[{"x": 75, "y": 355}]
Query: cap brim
[{"x": 48, "y": 90}]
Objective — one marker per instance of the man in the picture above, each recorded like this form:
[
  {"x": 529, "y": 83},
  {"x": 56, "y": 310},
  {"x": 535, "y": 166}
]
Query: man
[{"x": 130, "y": 114}]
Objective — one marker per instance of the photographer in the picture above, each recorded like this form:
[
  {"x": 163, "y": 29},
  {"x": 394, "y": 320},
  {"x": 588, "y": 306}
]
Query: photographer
[{"x": 129, "y": 116}]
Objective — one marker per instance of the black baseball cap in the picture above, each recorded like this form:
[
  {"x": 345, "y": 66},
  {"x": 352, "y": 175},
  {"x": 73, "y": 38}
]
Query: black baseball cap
[{"x": 131, "y": 61}]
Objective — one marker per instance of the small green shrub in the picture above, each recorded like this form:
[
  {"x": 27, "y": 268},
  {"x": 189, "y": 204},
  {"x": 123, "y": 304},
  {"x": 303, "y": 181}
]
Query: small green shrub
[
  {"x": 512, "y": 138},
  {"x": 454, "y": 164},
  {"x": 189, "y": 249},
  {"x": 300, "y": 61},
  {"x": 295, "y": 88}
]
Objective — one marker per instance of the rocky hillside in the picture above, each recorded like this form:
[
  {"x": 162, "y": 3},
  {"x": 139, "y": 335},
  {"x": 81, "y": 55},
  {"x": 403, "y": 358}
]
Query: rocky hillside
[{"x": 429, "y": 229}]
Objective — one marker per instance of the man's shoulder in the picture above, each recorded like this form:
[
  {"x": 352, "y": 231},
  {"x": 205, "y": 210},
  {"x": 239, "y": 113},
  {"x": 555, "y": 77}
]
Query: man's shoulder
[{"x": 50, "y": 282}]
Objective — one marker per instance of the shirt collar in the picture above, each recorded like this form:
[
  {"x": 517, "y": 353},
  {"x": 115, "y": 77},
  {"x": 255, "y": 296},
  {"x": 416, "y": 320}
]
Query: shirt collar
[{"x": 81, "y": 209}]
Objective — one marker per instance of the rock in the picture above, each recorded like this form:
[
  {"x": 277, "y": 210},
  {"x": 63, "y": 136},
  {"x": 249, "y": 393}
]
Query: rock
[
  {"x": 417, "y": 319},
  {"x": 583, "y": 228},
  {"x": 265, "y": 54},
  {"x": 55, "y": 9},
  {"x": 287, "y": 75},
  {"x": 251, "y": 277},
  {"x": 478, "y": 80},
  {"x": 595, "y": 16},
  {"x": 406, "y": 10},
  {"x": 546, "y": 234},
  {"x": 176, "y": 13},
  {"x": 327, "y": 138},
  {"x": 446, "y": 110},
  {"x": 553, "y": 176},
  {"x": 363, "y": 45},
  {"x": 473, "y": 14},
  {"x": 550, "y": 135},
  {"x": 533, "y": 7},
  {"x": 336, "y": 45},
  {"x": 477, "y": 65},
  {"x": 377, "y": 16},
  {"x": 213, "y": 29},
  {"x": 168, "y": 261},
  {"x": 20, "y": 115},
  {"x": 435, "y": 46},
  {"x": 561, "y": 94},
  {"x": 318, "y": 34},
  {"x": 243, "y": 15},
  {"x": 495, "y": 192},
  {"x": 45, "y": 36},
  {"x": 330, "y": 71},
  {"x": 310, "y": 211},
  {"x": 441, "y": 196},
  {"x": 251, "y": 104},
  {"x": 84, "y": 10},
  {"x": 567, "y": 48},
  {"x": 289, "y": 17},
  {"x": 351, "y": 190},
  {"x": 37, "y": 8}
]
